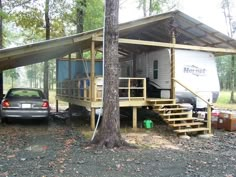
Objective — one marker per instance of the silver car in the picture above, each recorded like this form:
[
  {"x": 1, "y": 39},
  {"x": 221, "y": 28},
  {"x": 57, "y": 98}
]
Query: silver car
[{"x": 25, "y": 103}]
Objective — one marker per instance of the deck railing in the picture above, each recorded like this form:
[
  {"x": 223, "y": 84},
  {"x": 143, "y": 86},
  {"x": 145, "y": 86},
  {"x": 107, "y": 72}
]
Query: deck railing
[
  {"x": 129, "y": 88},
  {"x": 209, "y": 105},
  {"x": 78, "y": 89}
]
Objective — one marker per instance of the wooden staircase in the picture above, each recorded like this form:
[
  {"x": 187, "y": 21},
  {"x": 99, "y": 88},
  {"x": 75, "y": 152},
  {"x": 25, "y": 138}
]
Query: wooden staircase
[{"x": 177, "y": 117}]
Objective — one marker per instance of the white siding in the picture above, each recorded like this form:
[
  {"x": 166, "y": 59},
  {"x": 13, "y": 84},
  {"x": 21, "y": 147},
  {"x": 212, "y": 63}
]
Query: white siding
[
  {"x": 141, "y": 65},
  {"x": 145, "y": 67},
  {"x": 197, "y": 70}
]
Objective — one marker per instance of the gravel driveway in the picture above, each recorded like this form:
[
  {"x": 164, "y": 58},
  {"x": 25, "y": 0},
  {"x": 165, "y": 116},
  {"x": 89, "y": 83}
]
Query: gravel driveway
[{"x": 57, "y": 150}]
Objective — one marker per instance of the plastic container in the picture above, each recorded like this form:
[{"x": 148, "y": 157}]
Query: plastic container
[{"x": 148, "y": 124}]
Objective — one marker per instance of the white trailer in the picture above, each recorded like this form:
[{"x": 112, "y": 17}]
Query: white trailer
[{"x": 195, "y": 69}]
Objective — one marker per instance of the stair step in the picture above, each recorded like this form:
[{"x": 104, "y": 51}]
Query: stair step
[
  {"x": 191, "y": 130},
  {"x": 170, "y": 109},
  {"x": 175, "y": 114},
  {"x": 163, "y": 105},
  {"x": 179, "y": 119},
  {"x": 186, "y": 124},
  {"x": 159, "y": 100}
]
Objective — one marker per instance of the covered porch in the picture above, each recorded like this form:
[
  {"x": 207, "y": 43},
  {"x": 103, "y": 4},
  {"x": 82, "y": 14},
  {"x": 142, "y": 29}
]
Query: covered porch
[{"x": 172, "y": 30}]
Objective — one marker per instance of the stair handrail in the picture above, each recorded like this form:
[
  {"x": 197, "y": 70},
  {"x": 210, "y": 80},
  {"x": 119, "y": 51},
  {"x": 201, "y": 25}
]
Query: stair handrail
[{"x": 209, "y": 105}]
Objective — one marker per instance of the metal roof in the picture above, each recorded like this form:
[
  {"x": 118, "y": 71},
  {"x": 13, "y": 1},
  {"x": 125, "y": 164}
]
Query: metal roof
[{"x": 154, "y": 28}]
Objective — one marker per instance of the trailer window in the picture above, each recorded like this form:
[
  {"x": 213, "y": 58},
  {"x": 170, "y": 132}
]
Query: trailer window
[{"x": 155, "y": 69}]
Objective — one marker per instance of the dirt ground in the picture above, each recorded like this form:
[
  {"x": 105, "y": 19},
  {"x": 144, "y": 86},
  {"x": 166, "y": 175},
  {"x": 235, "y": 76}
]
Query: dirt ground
[{"x": 35, "y": 149}]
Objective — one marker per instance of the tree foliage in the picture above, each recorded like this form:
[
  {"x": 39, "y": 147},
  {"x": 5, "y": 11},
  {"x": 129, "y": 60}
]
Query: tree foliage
[
  {"x": 227, "y": 7},
  {"x": 13, "y": 74},
  {"x": 26, "y": 17},
  {"x": 152, "y": 7}
]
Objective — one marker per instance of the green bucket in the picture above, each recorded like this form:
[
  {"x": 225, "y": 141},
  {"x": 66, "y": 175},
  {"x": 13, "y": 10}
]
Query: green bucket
[{"x": 148, "y": 124}]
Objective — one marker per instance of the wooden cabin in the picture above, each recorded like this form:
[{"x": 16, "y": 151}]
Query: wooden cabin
[{"x": 172, "y": 30}]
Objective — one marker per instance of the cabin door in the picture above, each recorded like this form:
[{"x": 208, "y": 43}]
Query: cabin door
[
  {"x": 159, "y": 75},
  {"x": 153, "y": 71}
]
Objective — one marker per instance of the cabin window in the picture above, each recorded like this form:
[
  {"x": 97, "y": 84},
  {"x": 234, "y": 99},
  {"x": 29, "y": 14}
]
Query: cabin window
[
  {"x": 155, "y": 69},
  {"x": 128, "y": 71}
]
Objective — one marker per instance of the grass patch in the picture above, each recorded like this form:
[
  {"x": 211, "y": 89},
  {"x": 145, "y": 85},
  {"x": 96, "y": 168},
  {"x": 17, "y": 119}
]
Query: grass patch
[
  {"x": 223, "y": 101},
  {"x": 52, "y": 99}
]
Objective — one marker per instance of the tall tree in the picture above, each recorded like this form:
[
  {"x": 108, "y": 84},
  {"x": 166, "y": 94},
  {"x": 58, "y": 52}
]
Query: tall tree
[
  {"x": 1, "y": 46},
  {"x": 13, "y": 74},
  {"x": 152, "y": 7},
  {"x": 80, "y": 13},
  {"x": 227, "y": 12},
  {"x": 109, "y": 132},
  {"x": 1, "y": 27}
]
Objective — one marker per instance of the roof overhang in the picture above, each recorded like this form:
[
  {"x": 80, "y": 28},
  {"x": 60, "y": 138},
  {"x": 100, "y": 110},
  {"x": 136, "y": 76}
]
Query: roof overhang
[{"x": 137, "y": 36}]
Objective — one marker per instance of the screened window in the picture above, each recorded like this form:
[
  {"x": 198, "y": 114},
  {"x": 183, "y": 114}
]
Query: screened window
[{"x": 155, "y": 69}]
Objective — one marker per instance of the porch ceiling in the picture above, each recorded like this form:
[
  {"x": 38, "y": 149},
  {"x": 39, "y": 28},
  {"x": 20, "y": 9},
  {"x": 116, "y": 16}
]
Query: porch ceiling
[
  {"x": 189, "y": 31},
  {"x": 155, "y": 28}
]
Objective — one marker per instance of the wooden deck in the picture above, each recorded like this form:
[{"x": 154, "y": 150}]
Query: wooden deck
[{"x": 132, "y": 94}]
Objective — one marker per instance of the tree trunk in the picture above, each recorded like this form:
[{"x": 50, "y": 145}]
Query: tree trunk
[
  {"x": 144, "y": 8},
  {"x": 109, "y": 132},
  {"x": 47, "y": 21},
  {"x": 150, "y": 7},
  {"x": 1, "y": 46},
  {"x": 1, "y": 27},
  {"x": 80, "y": 10},
  {"x": 232, "y": 80}
]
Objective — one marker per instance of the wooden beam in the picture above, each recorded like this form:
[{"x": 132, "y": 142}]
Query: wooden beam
[
  {"x": 135, "y": 120},
  {"x": 92, "y": 84},
  {"x": 76, "y": 101},
  {"x": 176, "y": 46},
  {"x": 92, "y": 120},
  {"x": 92, "y": 71},
  {"x": 69, "y": 72},
  {"x": 172, "y": 94},
  {"x": 123, "y": 103},
  {"x": 1, "y": 84}
]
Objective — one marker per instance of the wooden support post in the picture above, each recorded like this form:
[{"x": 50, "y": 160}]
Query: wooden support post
[
  {"x": 145, "y": 89},
  {"x": 56, "y": 105},
  {"x": 69, "y": 87},
  {"x": 92, "y": 118},
  {"x": 92, "y": 84},
  {"x": 92, "y": 71},
  {"x": 85, "y": 90},
  {"x": 1, "y": 84},
  {"x": 209, "y": 119},
  {"x": 129, "y": 94},
  {"x": 45, "y": 80},
  {"x": 69, "y": 76},
  {"x": 172, "y": 95},
  {"x": 135, "y": 120}
]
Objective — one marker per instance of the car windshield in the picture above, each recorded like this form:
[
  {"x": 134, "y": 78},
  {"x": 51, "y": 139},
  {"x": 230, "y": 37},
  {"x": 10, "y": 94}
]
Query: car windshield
[{"x": 24, "y": 93}]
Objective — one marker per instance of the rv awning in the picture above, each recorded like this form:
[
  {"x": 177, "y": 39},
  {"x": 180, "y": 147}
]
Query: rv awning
[{"x": 156, "y": 28}]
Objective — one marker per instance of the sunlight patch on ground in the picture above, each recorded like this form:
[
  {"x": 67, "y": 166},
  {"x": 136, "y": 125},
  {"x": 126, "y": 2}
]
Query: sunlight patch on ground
[{"x": 149, "y": 140}]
